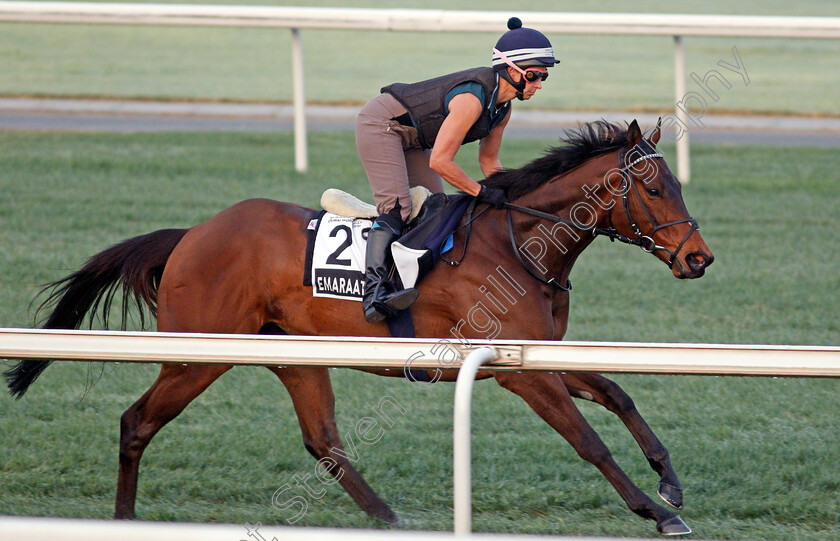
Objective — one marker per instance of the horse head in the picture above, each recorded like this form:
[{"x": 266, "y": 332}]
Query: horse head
[
  {"x": 651, "y": 208},
  {"x": 611, "y": 181}
]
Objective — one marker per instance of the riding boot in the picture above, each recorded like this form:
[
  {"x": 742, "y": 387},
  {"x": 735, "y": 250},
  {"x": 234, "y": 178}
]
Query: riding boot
[{"x": 380, "y": 299}]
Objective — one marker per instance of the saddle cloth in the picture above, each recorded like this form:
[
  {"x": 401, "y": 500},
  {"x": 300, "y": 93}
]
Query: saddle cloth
[
  {"x": 338, "y": 256},
  {"x": 335, "y": 262}
]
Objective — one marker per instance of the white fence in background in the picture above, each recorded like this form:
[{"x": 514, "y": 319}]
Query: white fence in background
[
  {"x": 394, "y": 353},
  {"x": 419, "y": 20}
]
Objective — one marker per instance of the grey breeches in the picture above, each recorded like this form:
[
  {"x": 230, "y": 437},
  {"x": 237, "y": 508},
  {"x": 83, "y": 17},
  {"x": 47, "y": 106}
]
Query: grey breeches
[{"x": 391, "y": 155}]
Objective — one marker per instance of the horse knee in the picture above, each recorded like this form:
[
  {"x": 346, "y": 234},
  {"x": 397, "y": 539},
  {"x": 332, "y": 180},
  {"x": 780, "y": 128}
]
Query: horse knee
[
  {"x": 624, "y": 403},
  {"x": 316, "y": 450},
  {"x": 320, "y": 445},
  {"x": 617, "y": 399},
  {"x": 594, "y": 451}
]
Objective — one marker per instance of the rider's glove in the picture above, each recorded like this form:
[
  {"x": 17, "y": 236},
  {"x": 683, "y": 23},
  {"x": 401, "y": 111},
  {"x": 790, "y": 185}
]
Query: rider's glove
[{"x": 492, "y": 196}]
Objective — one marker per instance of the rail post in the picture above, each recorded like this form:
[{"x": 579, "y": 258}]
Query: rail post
[
  {"x": 301, "y": 160},
  {"x": 461, "y": 434},
  {"x": 683, "y": 163}
]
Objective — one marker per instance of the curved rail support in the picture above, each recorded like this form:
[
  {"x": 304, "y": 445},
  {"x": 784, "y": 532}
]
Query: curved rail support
[{"x": 461, "y": 432}]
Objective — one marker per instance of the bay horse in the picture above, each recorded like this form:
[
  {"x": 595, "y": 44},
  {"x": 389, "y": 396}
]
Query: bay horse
[{"x": 241, "y": 272}]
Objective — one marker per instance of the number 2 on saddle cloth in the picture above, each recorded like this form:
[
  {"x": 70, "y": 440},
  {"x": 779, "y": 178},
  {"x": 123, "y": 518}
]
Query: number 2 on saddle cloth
[{"x": 335, "y": 266}]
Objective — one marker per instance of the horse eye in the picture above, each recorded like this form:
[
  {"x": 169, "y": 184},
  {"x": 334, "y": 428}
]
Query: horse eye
[{"x": 653, "y": 192}]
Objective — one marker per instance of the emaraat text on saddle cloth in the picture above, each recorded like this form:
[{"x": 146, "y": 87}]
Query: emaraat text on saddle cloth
[{"x": 338, "y": 257}]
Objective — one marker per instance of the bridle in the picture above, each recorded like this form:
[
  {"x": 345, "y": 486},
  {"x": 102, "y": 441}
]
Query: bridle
[{"x": 645, "y": 242}]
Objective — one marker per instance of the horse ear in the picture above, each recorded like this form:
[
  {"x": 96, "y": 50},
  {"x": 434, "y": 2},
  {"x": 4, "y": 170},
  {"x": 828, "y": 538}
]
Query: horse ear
[
  {"x": 634, "y": 134},
  {"x": 654, "y": 137}
]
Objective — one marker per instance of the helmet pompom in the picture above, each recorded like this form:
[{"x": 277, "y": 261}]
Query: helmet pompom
[{"x": 514, "y": 23}]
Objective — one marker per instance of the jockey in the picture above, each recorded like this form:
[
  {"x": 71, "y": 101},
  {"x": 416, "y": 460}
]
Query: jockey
[{"x": 409, "y": 135}]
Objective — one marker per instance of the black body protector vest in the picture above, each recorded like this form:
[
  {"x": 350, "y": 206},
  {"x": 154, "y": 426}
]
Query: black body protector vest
[{"x": 425, "y": 103}]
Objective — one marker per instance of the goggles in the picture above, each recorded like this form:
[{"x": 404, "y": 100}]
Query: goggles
[{"x": 531, "y": 74}]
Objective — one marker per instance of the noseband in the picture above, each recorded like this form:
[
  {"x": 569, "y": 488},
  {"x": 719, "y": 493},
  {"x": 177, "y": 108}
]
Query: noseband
[{"x": 645, "y": 242}]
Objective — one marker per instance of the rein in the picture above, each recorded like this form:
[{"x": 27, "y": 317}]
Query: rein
[{"x": 645, "y": 242}]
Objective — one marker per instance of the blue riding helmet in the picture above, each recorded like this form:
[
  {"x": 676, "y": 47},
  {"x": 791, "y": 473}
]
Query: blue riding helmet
[{"x": 525, "y": 47}]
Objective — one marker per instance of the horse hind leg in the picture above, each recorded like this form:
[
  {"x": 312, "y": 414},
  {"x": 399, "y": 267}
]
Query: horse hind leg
[
  {"x": 548, "y": 397},
  {"x": 174, "y": 389},
  {"x": 608, "y": 394},
  {"x": 314, "y": 402}
]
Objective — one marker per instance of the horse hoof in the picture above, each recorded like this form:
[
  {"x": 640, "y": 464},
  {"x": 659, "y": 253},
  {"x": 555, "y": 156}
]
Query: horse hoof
[
  {"x": 673, "y": 526},
  {"x": 670, "y": 494},
  {"x": 388, "y": 516}
]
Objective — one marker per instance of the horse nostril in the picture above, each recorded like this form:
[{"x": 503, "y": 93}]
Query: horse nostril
[{"x": 696, "y": 261}]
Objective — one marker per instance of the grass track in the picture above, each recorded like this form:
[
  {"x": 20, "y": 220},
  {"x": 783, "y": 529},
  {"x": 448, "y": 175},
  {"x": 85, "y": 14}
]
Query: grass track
[
  {"x": 757, "y": 456},
  {"x": 598, "y": 72}
]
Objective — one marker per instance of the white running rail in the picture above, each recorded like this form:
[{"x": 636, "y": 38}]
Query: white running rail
[
  {"x": 426, "y": 20},
  {"x": 703, "y": 359}
]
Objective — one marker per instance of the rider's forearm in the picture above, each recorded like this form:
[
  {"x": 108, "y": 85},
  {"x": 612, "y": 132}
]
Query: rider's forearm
[
  {"x": 489, "y": 165},
  {"x": 452, "y": 173}
]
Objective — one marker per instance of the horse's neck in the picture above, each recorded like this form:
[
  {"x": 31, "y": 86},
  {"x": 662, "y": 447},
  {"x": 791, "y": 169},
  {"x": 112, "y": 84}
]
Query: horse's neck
[
  {"x": 579, "y": 197},
  {"x": 583, "y": 187}
]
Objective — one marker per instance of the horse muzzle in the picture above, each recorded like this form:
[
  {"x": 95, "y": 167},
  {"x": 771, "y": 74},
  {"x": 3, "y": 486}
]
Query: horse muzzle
[{"x": 693, "y": 265}]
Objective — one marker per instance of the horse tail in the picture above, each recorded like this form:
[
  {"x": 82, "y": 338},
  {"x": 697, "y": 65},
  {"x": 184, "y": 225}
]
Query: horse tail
[{"x": 135, "y": 264}]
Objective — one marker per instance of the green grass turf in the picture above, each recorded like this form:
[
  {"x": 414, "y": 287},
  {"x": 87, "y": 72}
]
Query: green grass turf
[
  {"x": 757, "y": 456},
  {"x": 597, "y": 72}
]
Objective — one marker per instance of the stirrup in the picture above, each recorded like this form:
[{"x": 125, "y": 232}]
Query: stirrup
[
  {"x": 398, "y": 300},
  {"x": 374, "y": 315},
  {"x": 383, "y": 306},
  {"x": 377, "y": 310}
]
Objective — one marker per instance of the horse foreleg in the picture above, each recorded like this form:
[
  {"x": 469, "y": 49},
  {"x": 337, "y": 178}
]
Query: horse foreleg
[
  {"x": 607, "y": 393},
  {"x": 314, "y": 403},
  {"x": 548, "y": 397},
  {"x": 175, "y": 387}
]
